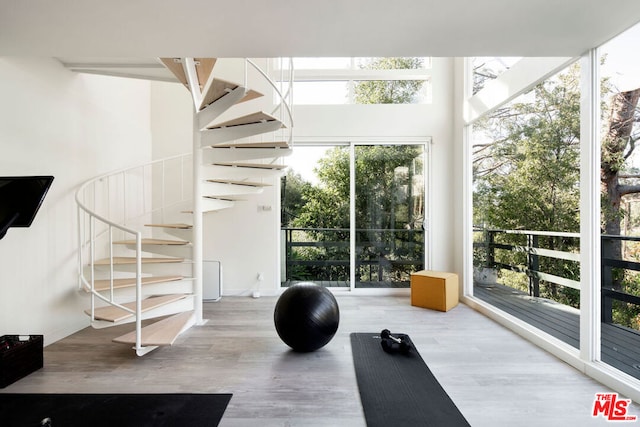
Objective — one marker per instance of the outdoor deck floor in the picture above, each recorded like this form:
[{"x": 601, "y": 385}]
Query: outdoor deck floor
[{"x": 620, "y": 346}]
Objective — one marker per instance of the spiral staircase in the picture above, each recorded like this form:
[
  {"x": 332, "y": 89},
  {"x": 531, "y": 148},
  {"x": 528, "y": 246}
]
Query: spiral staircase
[{"x": 140, "y": 229}]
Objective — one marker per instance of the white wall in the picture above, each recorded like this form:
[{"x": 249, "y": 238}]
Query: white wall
[
  {"x": 434, "y": 120},
  {"x": 74, "y": 127},
  {"x": 171, "y": 119}
]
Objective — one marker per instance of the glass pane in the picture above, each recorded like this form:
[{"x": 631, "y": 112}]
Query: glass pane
[
  {"x": 321, "y": 93},
  {"x": 526, "y": 207},
  {"x": 392, "y": 92},
  {"x": 620, "y": 165},
  {"x": 390, "y": 211},
  {"x": 315, "y": 217}
]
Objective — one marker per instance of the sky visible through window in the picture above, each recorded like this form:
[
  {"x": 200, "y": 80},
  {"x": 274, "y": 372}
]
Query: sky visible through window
[{"x": 333, "y": 81}]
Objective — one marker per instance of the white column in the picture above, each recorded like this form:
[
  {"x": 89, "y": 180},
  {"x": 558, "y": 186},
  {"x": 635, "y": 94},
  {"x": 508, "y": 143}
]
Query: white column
[
  {"x": 197, "y": 241},
  {"x": 590, "y": 207},
  {"x": 352, "y": 216},
  {"x": 467, "y": 179}
]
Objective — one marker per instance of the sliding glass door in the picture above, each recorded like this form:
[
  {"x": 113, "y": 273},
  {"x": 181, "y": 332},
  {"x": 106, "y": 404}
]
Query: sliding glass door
[
  {"x": 389, "y": 214},
  {"x": 353, "y": 215}
]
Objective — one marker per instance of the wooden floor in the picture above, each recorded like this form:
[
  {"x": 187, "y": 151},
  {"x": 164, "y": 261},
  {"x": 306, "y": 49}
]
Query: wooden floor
[
  {"x": 495, "y": 377},
  {"x": 620, "y": 346}
]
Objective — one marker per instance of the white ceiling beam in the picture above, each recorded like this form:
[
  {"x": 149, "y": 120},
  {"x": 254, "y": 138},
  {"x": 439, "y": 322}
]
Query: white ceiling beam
[{"x": 519, "y": 79}]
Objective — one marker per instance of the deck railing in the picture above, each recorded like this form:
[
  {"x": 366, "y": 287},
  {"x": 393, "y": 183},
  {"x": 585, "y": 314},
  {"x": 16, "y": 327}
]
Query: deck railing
[
  {"x": 609, "y": 262},
  {"x": 532, "y": 251},
  {"x": 380, "y": 253}
]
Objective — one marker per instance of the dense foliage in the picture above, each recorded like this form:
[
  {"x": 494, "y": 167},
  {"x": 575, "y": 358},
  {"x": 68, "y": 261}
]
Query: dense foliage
[
  {"x": 389, "y": 212},
  {"x": 526, "y": 176},
  {"x": 389, "y": 91}
]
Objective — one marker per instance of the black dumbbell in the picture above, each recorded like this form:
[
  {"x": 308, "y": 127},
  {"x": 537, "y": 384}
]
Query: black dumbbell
[{"x": 392, "y": 344}]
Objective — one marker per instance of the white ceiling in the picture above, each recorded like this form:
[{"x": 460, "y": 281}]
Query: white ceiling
[{"x": 272, "y": 28}]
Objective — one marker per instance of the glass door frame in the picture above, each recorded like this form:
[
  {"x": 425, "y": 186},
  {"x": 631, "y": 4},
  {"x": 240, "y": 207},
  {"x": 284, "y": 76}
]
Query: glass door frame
[{"x": 351, "y": 143}]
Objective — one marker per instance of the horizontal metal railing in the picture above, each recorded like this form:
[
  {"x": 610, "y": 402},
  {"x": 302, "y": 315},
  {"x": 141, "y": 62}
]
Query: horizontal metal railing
[
  {"x": 377, "y": 250},
  {"x": 533, "y": 251}
]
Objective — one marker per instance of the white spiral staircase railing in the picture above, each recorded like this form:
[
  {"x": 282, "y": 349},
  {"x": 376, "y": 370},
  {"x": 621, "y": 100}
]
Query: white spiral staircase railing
[{"x": 131, "y": 274}]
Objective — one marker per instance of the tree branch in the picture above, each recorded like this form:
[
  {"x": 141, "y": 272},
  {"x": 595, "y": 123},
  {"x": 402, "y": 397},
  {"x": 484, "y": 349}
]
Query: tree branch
[{"x": 628, "y": 189}]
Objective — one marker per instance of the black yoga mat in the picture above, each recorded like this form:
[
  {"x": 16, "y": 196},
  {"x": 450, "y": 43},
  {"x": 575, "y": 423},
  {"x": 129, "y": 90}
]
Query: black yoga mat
[
  {"x": 399, "y": 389},
  {"x": 112, "y": 410}
]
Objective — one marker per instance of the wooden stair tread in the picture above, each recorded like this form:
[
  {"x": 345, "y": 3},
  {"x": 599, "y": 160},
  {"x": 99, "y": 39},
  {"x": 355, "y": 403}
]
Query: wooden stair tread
[
  {"x": 251, "y": 165},
  {"x": 204, "y": 66},
  {"x": 153, "y": 242},
  {"x": 267, "y": 144},
  {"x": 249, "y": 119},
  {"x": 216, "y": 89},
  {"x": 179, "y": 226},
  {"x": 251, "y": 94},
  {"x": 115, "y": 314},
  {"x": 132, "y": 260},
  {"x": 175, "y": 66},
  {"x": 244, "y": 183},
  {"x": 159, "y": 333},
  {"x": 105, "y": 284}
]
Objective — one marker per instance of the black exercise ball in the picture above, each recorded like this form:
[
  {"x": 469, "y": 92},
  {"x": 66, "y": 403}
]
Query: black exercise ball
[{"x": 306, "y": 316}]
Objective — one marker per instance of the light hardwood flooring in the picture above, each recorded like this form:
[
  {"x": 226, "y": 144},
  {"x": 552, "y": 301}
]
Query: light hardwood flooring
[{"x": 495, "y": 377}]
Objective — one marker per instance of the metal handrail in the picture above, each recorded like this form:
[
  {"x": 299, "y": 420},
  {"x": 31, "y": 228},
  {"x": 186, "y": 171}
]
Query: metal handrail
[
  {"x": 283, "y": 101},
  {"x": 85, "y": 212},
  {"x": 91, "y": 213}
]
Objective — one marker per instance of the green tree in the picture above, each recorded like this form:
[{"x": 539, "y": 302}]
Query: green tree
[
  {"x": 384, "y": 201},
  {"x": 527, "y": 174},
  {"x": 292, "y": 188},
  {"x": 389, "y": 91}
]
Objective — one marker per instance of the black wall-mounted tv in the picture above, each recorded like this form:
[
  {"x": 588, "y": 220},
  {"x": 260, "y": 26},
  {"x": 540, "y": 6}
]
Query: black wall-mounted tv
[{"x": 20, "y": 199}]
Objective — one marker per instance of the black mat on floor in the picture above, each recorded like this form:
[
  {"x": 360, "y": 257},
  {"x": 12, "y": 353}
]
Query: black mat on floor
[
  {"x": 91, "y": 410},
  {"x": 399, "y": 389}
]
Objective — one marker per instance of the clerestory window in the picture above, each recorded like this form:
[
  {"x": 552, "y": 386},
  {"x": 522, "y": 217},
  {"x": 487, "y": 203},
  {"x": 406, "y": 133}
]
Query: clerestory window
[{"x": 333, "y": 81}]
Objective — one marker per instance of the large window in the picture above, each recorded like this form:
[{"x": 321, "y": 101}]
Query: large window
[
  {"x": 526, "y": 206},
  {"x": 533, "y": 171},
  {"x": 620, "y": 176},
  {"x": 403, "y": 80},
  {"x": 389, "y": 214},
  {"x": 353, "y": 215}
]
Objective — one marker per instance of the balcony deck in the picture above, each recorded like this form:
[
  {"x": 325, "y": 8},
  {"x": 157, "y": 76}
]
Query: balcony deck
[{"x": 620, "y": 346}]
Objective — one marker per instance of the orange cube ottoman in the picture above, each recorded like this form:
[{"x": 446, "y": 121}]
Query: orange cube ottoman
[{"x": 436, "y": 290}]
